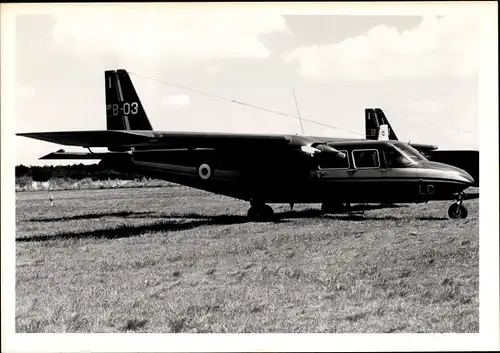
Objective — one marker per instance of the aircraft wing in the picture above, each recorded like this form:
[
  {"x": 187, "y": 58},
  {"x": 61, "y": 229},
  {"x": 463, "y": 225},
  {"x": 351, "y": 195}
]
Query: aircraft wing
[
  {"x": 423, "y": 148},
  {"x": 212, "y": 140},
  {"x": 155, "y": 139}
]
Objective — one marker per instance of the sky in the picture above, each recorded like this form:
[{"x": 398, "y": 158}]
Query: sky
[{"x": 420, "y": 68}]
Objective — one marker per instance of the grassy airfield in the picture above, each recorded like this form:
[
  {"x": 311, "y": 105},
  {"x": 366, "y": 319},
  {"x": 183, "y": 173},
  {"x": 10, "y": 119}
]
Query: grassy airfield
[{"x": 180, "y": 260}]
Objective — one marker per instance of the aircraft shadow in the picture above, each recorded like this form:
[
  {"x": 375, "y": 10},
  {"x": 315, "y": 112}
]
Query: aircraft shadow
[
  {"x": 126, "y": 231},
  {"x": 311, "y": 213},
  {"x": 90, "y": 216},
  {"x": 167, "y": 224},
  {"x": 361, "y": 217},
  {"x": 151, "y": 214}
]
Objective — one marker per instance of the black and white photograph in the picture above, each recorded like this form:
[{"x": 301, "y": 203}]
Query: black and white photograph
[{"x": 250, "y": 168}]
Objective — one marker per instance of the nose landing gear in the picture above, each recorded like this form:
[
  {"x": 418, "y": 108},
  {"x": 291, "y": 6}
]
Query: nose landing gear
[{"x": 457, "y": 209}]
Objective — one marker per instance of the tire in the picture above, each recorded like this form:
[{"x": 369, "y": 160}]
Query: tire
[
  {"x": 454, "y": 211},
  {"x": 262, "y": 213},
  {"x": 253, "y": 213},
  {"x": 463, "y": 212},
  {"x": 266, "y": 213}
]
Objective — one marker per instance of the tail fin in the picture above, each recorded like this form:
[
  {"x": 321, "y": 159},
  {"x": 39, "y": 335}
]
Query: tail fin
[
  {"x": 124, "y": 110},
  {"x": 374, "y": 118}
]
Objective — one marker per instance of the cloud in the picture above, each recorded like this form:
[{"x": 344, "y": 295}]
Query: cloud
[
  {"x": 166, "y": 31},
  {"x": 177, "y": 99},
  {"x": 436, "y": 48}
]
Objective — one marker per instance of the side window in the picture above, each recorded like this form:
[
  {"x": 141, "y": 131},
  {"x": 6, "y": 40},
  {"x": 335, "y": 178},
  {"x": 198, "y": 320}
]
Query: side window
[
  {"x": 391, "y": 158},
  {"x": 366, "y": 159},
  {"x": 328, "y": 161}
]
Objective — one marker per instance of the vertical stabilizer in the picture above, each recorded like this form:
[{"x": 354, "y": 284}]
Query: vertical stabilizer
[
  {"x": 124, "y": 110},
  {"x": 371, "y": 125},
  {"x": 374, "y": 120}
]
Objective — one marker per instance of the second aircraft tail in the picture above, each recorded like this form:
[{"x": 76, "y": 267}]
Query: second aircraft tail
[{"x": 374, "y": 119}]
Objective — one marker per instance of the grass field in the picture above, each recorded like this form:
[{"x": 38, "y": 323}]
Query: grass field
[{"x": 181, "y": 260}]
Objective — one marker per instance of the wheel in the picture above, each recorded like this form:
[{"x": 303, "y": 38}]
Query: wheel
[
  {"x": 261, "y": 213},
  {"x": 266, "y": 213},
  {"x": 463, "y": 211},
  {"x": 253, "y": 213},
  {"x": 454, "y": 211},
  {"x": 457, "y": 211}
]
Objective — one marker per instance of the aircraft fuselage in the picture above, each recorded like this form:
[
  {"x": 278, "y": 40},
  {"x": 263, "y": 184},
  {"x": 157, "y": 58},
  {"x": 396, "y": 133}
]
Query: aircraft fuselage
[{"x": 288, "y": 175}]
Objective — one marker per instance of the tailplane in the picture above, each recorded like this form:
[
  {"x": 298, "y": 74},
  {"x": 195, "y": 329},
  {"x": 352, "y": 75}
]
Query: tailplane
[
  {"x": 124, "y": 110},
  {"x": 374, "y": 120}
]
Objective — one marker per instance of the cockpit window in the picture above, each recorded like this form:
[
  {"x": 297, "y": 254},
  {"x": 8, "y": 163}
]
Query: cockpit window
[
  {"x": 395, "y": 158},
  {"x": 366, "y": 158},
  {"x": 411, "y": 152}
]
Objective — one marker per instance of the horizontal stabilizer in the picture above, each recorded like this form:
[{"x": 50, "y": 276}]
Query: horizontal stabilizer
[
  {"x": 96, "y": 138},
  {"x": 81, "y": 155}
]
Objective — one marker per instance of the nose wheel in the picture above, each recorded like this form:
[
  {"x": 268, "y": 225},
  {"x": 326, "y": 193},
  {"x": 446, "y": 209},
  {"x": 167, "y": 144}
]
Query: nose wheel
[
  {"x": 261, "y": 213},
  {"x": 457, "y": 209}
]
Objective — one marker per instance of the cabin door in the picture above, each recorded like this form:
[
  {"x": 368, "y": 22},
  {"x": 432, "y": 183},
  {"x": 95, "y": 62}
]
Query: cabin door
[
  {"x": 333, "y": 176},
  {"x": 367, "y": 176}
]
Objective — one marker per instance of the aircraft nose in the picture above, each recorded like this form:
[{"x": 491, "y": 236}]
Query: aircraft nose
[
  {"x": 453, "y": 173},
  {"x": 468, "y": 177},
  {"x": 463, "y": 176}
]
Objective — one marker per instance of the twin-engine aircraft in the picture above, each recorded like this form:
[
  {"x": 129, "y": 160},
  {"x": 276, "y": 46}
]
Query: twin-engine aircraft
[
  {"x": 262, "y": 169},
  {"x": 376, "y": 125}
]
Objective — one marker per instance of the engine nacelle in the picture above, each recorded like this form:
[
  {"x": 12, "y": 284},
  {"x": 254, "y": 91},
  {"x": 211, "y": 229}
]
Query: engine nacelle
[{"x": 324, "y": 148}]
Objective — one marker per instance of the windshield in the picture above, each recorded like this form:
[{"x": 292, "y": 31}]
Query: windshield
[
  {"x": 410, "y": 152},
  {"x": 395, "y": 158}
]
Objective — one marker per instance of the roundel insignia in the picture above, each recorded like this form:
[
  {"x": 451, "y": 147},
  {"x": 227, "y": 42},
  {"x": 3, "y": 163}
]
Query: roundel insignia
[{"x": 204, "y": 171}]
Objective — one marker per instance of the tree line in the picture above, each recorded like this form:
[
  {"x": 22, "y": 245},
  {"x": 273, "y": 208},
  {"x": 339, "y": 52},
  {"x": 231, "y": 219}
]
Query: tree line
[{"x": 74, "y": 171}]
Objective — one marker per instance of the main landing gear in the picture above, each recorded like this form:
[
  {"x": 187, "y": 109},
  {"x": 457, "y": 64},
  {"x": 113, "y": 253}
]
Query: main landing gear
[
  {"x": 457, "y": 209},
  {"x": 261, "y": 212}
]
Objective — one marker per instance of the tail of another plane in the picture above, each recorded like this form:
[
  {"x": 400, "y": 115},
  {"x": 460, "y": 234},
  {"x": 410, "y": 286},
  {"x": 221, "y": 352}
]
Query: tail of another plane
[
  {"x": 378, "y": 128},
  {"x": 124, "y": 110},
  {"x": 374, "y": 119}
]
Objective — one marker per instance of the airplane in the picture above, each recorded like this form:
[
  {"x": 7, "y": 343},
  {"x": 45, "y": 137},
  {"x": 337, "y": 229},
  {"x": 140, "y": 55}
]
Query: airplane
[
  {"x": 467, "y": 160},
  {"x": 261, "y": 169}
]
